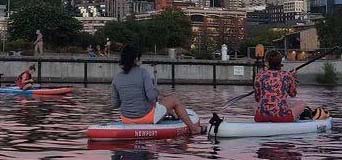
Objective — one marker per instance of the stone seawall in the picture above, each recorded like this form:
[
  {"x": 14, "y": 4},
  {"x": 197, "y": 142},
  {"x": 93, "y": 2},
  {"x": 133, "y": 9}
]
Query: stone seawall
[{"x": 86, "y": 70}]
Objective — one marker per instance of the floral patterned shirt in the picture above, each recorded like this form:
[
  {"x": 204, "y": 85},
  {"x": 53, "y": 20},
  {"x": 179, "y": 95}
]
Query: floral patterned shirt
[{"x": 271, "y": 90}]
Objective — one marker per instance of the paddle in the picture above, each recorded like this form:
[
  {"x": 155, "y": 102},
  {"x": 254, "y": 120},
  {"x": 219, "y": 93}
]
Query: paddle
[
  {"x": 52, "y": 87},
  {"x": 232, "y": 101},
  {"x": 38, "y": 86}
]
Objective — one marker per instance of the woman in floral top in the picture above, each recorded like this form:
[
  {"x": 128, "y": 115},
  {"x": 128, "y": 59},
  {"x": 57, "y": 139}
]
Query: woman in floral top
[{"x": 272, "y": 87}]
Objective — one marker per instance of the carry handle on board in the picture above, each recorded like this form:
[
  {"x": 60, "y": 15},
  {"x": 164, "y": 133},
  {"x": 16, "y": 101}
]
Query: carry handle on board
[
  {"x": 215, "y": 121},
  {"x": 232, "y": 101}
]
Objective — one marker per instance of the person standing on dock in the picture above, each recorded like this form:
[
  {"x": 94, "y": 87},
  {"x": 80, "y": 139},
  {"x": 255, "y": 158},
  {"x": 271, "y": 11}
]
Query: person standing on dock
[
  {"x": 107, "y": 47},
  {"x": 38, "y": 44}
]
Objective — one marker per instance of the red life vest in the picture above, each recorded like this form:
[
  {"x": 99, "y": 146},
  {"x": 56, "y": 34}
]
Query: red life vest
[{"x": 20, "y": 82}]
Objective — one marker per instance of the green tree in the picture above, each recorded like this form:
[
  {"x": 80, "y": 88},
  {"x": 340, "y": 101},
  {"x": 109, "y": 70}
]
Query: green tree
[
  {"x": 3, "y": 2},
  {"x": 18, "y": 4},
  {"x": 58, "y": 28},
  {"x": 169, "y": 29},
  {"x": 173, "y": 28},
  {"x": 329, "y": 31}
]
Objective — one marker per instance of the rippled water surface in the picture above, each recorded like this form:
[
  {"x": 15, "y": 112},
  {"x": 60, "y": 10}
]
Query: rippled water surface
[{"x": 51, "y": 128}]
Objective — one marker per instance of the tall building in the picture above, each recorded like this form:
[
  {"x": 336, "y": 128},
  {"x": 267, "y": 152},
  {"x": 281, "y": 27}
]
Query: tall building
[
  {"x": 255, "y": 5},
  {"x": 112, "y": 8},
  {"x": 233, "y": 4},
  {"x": 91, "y": 8},
  {"x": 216, "y": 25},
  {"x": 275, "y": 13},
  {"x": 295, "y": 6},
  {"x": 121, "y": 9},
  {"x": 255, "y": 2},
  {"x": 275, "y": 2},
  {"x": 326, "y": 7},
  {"x": 163, "y": 4}
]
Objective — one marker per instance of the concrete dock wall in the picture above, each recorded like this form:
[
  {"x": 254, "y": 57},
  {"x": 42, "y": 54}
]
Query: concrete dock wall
[{"x": 185, "y": 71}]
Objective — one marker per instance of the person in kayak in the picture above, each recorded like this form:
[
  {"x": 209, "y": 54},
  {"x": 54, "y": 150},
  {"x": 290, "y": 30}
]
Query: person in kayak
[
  {"x": 135, "y": 94},
  {"x": 272, "y": 88},
  {"x": 24, "y": 81}
]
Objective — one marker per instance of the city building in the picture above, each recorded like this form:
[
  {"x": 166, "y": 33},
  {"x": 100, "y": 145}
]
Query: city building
[
  {"x": 275, "y": 2},
  {"x": 295, "y": 10},
  {"x": 92, "y": 24},
  {"x": 326, "y": 7},
  {"x": 304, "y": 41},
  {"x": 256, "y": 12},
  {"x": 233, "y": 4},
  {"x": 275, "y": 13},
  {"x": 216, "y": 25},
  {"x": 255, "y": 2},
  {"x": 295, "y": 6},
  {"x": 143, "y": 16},
  {"x": 163, "y": 4},
  {"x": 91, "y": 8},
  {"x": 258, "y": 17},
  {"x": 183, "y": 4},
  {"x": 138, "y": 7}
]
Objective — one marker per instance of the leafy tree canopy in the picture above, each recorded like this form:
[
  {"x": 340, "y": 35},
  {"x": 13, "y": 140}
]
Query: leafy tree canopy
[
  {"x": 329, "y": 31},
  {"x": 169, "y": 29},
  {"x": 58, "y": 28}
]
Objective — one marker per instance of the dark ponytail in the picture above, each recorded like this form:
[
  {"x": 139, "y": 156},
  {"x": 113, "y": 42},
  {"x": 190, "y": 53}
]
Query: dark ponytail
[{"x": 128, "y": 56}]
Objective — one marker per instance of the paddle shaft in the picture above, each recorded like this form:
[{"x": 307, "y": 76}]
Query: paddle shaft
[{"x": 232, "y": 101}]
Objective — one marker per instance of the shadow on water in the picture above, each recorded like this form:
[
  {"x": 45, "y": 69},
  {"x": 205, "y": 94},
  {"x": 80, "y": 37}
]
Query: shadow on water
[{"x": 40, "y": 127}]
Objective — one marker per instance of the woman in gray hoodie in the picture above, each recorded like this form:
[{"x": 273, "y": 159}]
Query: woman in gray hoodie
[{"x": 136, "y": 95}]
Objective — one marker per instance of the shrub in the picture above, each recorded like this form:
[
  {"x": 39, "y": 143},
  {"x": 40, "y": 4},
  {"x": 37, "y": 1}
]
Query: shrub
[
  {"x": 18, "y": 44},
  {"x": 330, "y": 75}
]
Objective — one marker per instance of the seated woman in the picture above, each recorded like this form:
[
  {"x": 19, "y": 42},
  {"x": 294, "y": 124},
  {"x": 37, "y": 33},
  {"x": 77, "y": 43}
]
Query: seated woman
[
  {"x": 24, "y": 81},
  {"x": 272, "y": 87},
  {"x": 135, "y": 94}
]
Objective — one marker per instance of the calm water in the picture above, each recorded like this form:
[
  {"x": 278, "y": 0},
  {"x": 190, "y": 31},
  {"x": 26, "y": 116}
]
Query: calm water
[{"x": 51, "y": 128}]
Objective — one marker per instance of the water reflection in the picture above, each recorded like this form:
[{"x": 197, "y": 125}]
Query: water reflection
[
  {"x": 278, "y": 150},
  {"x": 140, "y": 149},
  {"x": 41, "y": 127}
]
